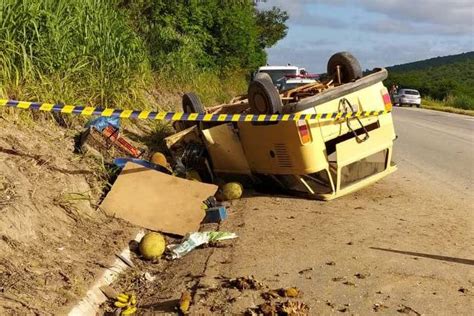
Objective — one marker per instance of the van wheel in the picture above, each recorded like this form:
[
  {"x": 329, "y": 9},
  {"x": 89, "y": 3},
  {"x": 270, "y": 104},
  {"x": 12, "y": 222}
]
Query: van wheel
[
  {"x": 192, "y": 104},
  {"x": 264, "y": 97},
  {"x": 263, "y": 75},
  {"x": 350, "y": 67}
]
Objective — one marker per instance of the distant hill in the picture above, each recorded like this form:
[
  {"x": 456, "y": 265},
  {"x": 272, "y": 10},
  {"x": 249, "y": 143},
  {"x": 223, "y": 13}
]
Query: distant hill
[{"x": 448, "y": 78}]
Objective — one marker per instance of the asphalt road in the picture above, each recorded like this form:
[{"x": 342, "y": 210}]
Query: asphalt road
[
  {"x": 403, "y": 245},
  {"x": 439, "y": 144}
]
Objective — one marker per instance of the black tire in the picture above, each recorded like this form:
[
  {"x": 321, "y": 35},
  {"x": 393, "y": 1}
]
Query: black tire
[
  {"x": 350, "y": 67},
  {"x": 264, "y": 97},
  {"x": 417, "y": 105},
  {"x": 263, "y": 75},
  {"x": 192, "y": 104}
]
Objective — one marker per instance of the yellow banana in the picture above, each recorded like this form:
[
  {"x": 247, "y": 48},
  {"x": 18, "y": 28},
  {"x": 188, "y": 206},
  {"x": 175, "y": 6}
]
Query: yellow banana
[
  {"x": 129, "y": 311},
  {"x": 133, "y": 300},
  {"x": 123, "y": 298},
  {"x": 120, "y": 304}
]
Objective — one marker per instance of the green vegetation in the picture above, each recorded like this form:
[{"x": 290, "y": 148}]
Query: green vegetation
[
  {"x": 442, "y": 80},
  {"x": 128, "y": 53},
  {"x": 429, "y": 103}
]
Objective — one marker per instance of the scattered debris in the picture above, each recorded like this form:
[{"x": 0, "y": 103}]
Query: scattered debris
[
  {"x": 305, "y": 270},
  {"x": 293, "y": 308},
  {"x": 157, "y": 201},
  {"x": 149, "y": 277},
  {"x": 349, "y": 283},
  {"x": 184, "y": 302},
  {"x": 463, "y": 290},
  {"x": 244, "y": 283},
  {"x": 121, "y": 162},
  {"x": 343, "y": 309},
  {"x": 152, "y": 246},
  {"x": 109, "y": 292},
  {"x": 160, "y": 159},
  {"x": 337, "y": 279},
  {"x": 377, "y": 307},
  {"x": 125, "y": 260},
  {"x": 282, "y": 292},
  {"x": 215, "y": 214},
  {"x": 361, "y": 275},
  {"x": 269, "y": 295},
  {"x": 196, "y": 239},
  {"x": 290, "y": 292},
  {"x": 108, "y": 143},
  {"x": 349, "y": 243},
  {"x": 407, "y": 310},
  {"x": 330, "y": 263}
]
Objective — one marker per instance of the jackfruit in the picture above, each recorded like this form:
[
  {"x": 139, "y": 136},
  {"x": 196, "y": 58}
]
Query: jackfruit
[
  {"x": 230, "y": 191},
  {"x": 152, "y": 245}
]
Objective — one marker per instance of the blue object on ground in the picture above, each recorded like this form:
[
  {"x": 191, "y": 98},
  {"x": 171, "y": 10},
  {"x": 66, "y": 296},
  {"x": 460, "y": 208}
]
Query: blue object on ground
[
  {"x": 102, "y": 122},
  {"x": 120, "y": 162},
  {"x": 215, "y": 214}
]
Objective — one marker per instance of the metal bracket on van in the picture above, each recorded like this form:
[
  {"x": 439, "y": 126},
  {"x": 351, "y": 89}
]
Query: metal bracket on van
[{"x": 345, "y": 105}]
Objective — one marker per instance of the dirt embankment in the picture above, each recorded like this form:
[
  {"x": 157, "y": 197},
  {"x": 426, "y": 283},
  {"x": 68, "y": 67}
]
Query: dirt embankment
[{"x": 53, "y": 241}]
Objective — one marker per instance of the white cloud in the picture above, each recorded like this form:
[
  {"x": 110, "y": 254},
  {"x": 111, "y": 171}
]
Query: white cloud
[
  {"x": 444, "y": 16},
  {"x": 378, "y": 32},
  {"x": 440, "y": 12},
  {"x": 388, "y": 25}
]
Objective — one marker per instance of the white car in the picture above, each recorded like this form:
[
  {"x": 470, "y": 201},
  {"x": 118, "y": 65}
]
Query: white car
[
  {"x": 277, "y": 73},
  {"x": 291, "y": 83},
  {"x": 407, "y": 97}
]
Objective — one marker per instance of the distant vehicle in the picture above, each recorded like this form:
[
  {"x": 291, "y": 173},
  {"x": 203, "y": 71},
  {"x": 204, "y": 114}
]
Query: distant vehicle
[
  {"x": 277, "y": 73},
  {"x": 291, "y": 82},
  {"x": 286, "y": 77},
  {"x": 409, "y": 97}
]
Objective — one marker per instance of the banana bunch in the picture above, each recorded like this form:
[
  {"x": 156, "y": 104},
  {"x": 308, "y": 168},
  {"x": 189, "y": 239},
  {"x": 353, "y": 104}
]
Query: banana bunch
[{"x": 127, "y": 302}]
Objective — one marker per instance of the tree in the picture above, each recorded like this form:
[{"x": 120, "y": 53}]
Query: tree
[{"x": 271, "y": 26}]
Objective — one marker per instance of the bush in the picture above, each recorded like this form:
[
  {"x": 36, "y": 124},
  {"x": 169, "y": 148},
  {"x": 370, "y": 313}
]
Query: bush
[{"x": 460, "y": 101}]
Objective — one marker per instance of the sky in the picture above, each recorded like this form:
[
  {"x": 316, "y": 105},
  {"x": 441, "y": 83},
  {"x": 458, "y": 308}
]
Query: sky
[{"x": 379, "y": 33}]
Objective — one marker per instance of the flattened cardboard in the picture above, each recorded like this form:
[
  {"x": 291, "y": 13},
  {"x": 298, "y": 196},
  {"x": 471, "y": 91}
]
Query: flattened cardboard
[{"x": 157, "y": 201}]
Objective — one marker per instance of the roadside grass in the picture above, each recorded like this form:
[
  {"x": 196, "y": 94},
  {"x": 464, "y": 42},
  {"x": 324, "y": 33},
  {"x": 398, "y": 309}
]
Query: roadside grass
[{"x": 428, "y": 103}]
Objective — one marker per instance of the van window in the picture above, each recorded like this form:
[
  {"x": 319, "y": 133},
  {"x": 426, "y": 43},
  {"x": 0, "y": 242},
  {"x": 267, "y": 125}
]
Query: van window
[{"x": 411, "y": 92}]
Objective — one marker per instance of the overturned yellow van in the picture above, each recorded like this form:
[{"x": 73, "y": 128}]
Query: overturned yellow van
[{"x": 320, "y": 158}]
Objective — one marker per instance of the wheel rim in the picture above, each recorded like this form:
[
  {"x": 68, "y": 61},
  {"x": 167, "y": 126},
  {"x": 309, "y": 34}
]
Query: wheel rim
[{"x": 260, "y": 103}]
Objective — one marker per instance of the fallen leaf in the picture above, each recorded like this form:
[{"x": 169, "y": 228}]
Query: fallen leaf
[
  {"x": 185, "y": 302},
  {"x": 407, "y": 310}
]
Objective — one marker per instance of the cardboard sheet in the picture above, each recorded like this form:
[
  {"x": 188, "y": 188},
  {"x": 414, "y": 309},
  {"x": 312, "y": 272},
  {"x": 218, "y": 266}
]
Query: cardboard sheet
[{"x": 157, "y": 201}]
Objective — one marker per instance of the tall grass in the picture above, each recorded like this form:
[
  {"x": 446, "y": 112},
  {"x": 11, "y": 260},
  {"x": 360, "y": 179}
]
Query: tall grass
[
  {"x": 88, "y": 52},
  {"x": 66, "y": 50}
]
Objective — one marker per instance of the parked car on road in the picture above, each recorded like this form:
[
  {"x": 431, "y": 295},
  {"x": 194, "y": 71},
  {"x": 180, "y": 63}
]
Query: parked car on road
[{"x": 409, "y": 97}]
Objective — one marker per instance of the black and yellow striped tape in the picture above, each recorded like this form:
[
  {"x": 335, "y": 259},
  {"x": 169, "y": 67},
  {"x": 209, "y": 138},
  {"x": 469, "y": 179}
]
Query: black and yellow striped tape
[{"x": 180, "y": 116}]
